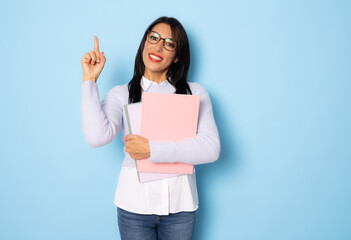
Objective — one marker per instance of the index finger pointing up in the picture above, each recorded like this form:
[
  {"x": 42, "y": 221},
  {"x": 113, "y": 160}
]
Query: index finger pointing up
[{"x": 96, "y": 43}]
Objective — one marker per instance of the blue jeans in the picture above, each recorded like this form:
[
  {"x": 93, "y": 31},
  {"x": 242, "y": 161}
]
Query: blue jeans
[{"x": 177, "y": 226}]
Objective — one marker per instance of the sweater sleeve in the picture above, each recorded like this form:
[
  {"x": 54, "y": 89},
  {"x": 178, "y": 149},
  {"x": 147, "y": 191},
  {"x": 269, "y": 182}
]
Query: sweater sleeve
[
  {"x": 100, "y": 121},
  {"x": 204, "y": 148}
]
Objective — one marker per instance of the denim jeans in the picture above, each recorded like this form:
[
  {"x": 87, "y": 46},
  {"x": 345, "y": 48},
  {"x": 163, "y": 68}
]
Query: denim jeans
[{"x": 177, "y": 226}]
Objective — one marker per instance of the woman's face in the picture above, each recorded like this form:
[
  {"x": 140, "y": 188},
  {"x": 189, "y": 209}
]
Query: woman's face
[{"x": 156, "y": 58}]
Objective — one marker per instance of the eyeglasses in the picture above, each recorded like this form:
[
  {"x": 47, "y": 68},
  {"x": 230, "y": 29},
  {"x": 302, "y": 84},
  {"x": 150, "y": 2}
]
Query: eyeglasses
[{"x": 168, "y": 43}]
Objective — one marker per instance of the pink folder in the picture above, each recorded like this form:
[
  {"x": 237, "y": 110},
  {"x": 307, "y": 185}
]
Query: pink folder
[
  {"x": 168, "y": 117},
  {"x": 133, "y": 114}
]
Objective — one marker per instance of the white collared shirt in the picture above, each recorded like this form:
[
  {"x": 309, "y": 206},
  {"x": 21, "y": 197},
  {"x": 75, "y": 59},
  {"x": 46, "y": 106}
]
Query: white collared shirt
[
  {"x": 101, "y": 123},
  {"x": 146, "y": 83}
]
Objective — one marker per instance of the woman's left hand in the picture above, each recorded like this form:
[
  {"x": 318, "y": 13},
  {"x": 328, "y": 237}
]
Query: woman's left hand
[{"x": 137, "y": 146}]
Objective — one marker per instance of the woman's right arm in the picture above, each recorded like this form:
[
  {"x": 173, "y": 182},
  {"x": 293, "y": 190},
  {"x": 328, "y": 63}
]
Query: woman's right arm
[{"x": 100, "y": 121}]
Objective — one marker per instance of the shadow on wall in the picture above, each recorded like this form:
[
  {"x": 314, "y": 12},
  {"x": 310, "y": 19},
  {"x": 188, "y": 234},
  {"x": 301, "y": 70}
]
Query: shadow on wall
[{"x": 211, "y": 174}]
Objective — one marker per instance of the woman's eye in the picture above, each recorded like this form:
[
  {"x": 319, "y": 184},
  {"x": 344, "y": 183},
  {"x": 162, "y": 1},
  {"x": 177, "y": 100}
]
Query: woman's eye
[
  {"x": 171, "y": 45},
  {"x": 154, "y": 36}
]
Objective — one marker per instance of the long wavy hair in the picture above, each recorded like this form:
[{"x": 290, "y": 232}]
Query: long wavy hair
[{"x": 177, "y": 73}]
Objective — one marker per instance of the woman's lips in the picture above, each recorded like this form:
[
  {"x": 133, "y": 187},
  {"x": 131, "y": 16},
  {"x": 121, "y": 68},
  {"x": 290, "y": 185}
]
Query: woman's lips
[{"x": 155, "y": 58}]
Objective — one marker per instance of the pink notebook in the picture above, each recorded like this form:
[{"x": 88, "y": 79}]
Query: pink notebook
[
  {"x": 133, "y": 114},
  {"x": 168, "y": 117}
]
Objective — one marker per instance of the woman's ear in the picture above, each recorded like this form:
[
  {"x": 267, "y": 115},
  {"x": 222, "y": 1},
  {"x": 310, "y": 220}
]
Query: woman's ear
[{"x": 176, "y": 60}]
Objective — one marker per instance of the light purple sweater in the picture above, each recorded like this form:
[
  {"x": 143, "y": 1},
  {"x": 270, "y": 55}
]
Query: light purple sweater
[{"x": 102, "y": 121}]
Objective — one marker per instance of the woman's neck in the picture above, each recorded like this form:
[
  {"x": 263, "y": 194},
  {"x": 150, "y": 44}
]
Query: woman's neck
[{"x": 157, "y": 77}]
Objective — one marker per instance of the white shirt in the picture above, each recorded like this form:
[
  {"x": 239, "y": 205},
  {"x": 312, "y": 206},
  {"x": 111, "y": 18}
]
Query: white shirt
[{"x": 101, "y": 123}]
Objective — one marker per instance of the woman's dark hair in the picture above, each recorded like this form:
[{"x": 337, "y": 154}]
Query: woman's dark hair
[{"x": 177, "y": 73}]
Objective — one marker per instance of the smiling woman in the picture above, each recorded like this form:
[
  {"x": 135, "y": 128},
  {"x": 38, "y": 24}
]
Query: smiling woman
[
  {"x": 156, "y": 60},
  {"x": 160, "y": 209},
  {"x": 170, "y": 64}
]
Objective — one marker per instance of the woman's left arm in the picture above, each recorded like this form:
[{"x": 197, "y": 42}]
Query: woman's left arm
[{"x": 204, "y": 148}]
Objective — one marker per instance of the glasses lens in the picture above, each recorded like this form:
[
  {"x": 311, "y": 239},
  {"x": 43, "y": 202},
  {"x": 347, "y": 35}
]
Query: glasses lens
[
  {"x": 153, "y": 37},
  {"x": 169, "y": 44}
]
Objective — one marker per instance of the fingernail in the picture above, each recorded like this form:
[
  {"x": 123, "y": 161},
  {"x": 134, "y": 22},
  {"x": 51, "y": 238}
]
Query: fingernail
[
  {"x": 102, "y": 53},
  {"x": 89, "y": 61}
]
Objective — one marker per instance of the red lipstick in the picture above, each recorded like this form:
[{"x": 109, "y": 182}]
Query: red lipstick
[{"x": 153, "y": 59}]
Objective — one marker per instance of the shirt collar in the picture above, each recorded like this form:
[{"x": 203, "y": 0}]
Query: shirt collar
[{"x": 146, "y": 83}]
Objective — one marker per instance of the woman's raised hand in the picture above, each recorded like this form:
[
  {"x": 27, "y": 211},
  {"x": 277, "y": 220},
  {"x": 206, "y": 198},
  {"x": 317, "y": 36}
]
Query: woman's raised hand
[{"x": 93, "y": 63}]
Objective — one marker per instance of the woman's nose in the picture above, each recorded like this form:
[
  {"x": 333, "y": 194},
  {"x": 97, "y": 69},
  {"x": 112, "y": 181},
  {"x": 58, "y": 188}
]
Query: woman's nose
[{"x": 159, "y": 46}]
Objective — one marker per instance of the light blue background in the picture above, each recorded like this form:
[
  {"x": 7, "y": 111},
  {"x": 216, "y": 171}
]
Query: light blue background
[{"x": 278, "y": 74}]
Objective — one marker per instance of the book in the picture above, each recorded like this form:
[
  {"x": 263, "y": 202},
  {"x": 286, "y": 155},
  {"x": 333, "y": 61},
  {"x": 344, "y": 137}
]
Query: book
[
  {"x": 133, "y": 116},
  {"x": 168, "y": 117}
]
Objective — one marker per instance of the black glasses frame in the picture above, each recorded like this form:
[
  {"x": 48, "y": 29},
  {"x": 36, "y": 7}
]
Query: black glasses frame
[{"x": 164, "y": 40}]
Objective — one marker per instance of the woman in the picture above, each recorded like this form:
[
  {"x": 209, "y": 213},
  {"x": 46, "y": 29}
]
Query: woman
[{"x": 161, "y": 209}]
